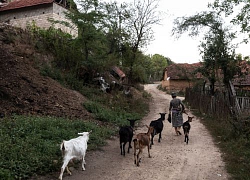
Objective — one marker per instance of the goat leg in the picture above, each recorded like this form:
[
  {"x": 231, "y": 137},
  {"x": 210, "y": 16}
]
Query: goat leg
[
  {"x": 83, "y": 162},
  {"x": 152, "y": 140},
  {"x": 138, "y": 157},
  {"x": 66, "y": 161},
  {"x": 186, "y": 138},
  {"x": 149, "y": 152},
  {"x": 68, "y": 171},
  {"x": 123, "y": 148},
  {"x": 129, "y": 146},
  {"x": 159, "y": 140},
  {"x": 134, "y": 151}
]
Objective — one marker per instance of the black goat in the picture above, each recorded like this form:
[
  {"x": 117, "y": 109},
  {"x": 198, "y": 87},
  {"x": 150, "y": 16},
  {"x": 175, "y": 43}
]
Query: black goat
[
  {"x": 186, "y": 128},
  {"x": 1, "y": 115},
  {"x": 158, "y": 127},
  {"x": 126, "y": 135}
]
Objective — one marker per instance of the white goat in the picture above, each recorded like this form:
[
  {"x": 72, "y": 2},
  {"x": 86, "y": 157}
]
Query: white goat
[{"x": 74, "y": 149}]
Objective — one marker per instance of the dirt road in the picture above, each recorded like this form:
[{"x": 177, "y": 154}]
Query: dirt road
[{"x": 171, "y": 159}]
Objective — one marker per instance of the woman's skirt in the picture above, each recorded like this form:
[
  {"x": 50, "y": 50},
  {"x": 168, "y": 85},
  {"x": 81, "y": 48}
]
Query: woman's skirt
[{"x": 177, "y": 119}]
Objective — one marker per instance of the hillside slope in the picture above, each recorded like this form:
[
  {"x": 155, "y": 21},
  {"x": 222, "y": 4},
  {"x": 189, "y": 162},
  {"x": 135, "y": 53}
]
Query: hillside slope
[{"x": 23, "y": 90}]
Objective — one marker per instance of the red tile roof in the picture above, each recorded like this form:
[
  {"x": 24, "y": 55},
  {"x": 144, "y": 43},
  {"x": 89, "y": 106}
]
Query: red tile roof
[
  {"x": 245, "y": 79},
  {"x": 24, "y": 3},
  {"x": 183, "y": 71}
]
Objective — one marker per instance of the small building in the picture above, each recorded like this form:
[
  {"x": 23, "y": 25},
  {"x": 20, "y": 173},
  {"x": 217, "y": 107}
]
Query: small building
[
  {"x": 243, "y": 82},
  {"x": 20, "y": 13},
  {"x": 178, "y": 77}
]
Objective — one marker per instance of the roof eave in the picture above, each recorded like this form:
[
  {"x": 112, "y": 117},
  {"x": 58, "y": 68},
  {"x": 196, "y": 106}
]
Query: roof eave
[{"x": 10, "y": 9}]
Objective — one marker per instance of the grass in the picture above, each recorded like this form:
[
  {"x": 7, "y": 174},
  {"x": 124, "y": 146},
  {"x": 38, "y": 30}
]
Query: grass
[
  {"x": 116, "y": 117},
  {"x": 233, "y": 144},
  {"x": 30, "y": 145}
]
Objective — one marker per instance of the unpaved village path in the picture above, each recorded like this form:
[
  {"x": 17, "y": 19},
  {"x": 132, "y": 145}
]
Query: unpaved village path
[{"x": 171, "y": 159}]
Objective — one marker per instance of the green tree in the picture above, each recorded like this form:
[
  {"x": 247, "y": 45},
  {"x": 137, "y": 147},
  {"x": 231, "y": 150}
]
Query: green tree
[
  {"x": 218, "y": 53},
  {"x": 242, "y": 15},
  {"x": 158, "y": 64},
  {"x": 143, "y": 15},
  {"x": 112, "y": 34},
  {"x": 217, "y": 56},
  {"x": 92, "y": 41},
  {"x": 114, "y": 29}
]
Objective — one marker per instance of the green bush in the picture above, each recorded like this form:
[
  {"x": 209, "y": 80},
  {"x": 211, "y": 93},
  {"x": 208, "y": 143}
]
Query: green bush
[
  {"x": 116, "y": 117},
  {"x": 31, "y": 144}
]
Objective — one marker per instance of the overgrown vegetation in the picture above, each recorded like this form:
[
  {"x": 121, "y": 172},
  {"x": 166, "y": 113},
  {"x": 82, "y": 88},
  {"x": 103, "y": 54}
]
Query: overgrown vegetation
[
  {"x": 234, "y": 144},
  {"x": 30, "y": 145},
  {"x": 108, "y": 34},
  {"x": 231, "y": 133}
]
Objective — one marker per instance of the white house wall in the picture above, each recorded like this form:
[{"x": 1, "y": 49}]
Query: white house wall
[
  {"x": 23, "y": 17},
  {"x": 59, "y": 14}
]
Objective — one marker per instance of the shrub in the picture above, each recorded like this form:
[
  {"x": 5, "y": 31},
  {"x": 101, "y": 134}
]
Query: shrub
[{"x": 31, "y": 144}]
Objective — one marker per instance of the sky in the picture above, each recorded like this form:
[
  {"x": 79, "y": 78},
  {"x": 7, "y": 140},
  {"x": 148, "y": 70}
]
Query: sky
[{"x": 184, "y": 49}]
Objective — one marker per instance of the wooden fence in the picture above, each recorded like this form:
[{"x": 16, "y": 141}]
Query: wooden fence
[
  {"x": 244, "y": 104},
  {"x": 221, "y": 105},
  {"x": 216, "y": 106}
]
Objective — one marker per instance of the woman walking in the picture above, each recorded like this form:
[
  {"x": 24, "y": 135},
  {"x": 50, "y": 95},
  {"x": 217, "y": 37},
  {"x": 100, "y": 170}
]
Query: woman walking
[{"x": 177, "y": 108}]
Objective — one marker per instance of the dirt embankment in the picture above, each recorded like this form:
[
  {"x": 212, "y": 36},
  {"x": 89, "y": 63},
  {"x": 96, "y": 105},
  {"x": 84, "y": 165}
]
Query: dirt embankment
[
  {"x": 171, "y": 159},
  {"x": 23, "y": 89}
]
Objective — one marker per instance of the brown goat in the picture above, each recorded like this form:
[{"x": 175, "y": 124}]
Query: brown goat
[{"x": 142, "y": 140}]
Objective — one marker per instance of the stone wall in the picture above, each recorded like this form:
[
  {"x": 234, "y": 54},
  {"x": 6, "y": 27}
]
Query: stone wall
[{"x": 39, "y": 15}]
